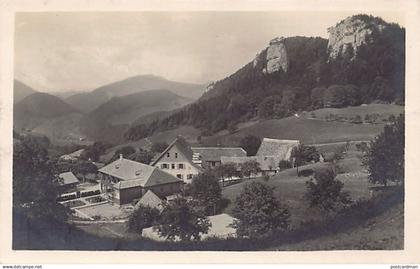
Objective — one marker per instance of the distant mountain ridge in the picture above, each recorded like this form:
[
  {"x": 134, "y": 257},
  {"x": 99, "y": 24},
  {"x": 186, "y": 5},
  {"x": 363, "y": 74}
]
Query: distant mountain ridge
[
  {"x": 44, "y": 105},
  {"x": 88, "y": 102},
  {"x": 48, "y": 115},
  {"x": 124, "y": 110},
  {"x": 20, "y": 91}
]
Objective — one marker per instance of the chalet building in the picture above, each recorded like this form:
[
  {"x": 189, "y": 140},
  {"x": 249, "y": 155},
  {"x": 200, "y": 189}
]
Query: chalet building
[
  {"x": 128, "y": 180},
  {"x": 269, "y": 165},
  {"x": 67, "y": 181},
  {"x": 177, "y": 160},
  {"x": 269, "y": 154},
  {"x": 279, "y": 148},
  {"x": 211, "y": 156}
]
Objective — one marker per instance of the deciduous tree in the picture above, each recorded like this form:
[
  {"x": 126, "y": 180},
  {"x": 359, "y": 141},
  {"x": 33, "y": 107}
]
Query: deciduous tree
[
  {"x": 249, "y": 168},
  {"x": 206, "y": 190},
  {"x": 143, "y": 217},
  {"x": 259, "y": 213},
  {"x": 385, "y": 155},
  {"x": 250, "y": 144},
  {"x": 179, "y": 220},
  {"x": 325, "y": 192}
]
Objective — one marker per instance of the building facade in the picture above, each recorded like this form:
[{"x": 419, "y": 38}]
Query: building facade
[
  {"x": 177, "y": 160},
  {"x": 126, "y": 180}
]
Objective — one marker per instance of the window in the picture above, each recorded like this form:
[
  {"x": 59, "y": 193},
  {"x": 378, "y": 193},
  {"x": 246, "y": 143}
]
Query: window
[
  {"x": 167, "y": 154},
  {"x": 173, "y": 166},
  {"x": 176, "y": 154},
  {"x": 189, "y": 176},
  {"x": 181, "y": 166},
  {"x": 164, "y": 166},
  {"x": 179, "y": 176}
]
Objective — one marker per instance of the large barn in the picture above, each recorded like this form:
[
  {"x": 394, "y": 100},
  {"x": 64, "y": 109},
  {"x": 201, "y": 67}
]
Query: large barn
[
  {"x": 280, "y": 148},
  {"x": 211, "y": 156}
]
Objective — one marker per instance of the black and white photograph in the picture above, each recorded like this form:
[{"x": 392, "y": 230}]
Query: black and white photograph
[{"x": 263, "y": 131}]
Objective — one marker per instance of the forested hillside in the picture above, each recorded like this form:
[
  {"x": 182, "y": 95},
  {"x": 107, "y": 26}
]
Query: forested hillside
[{"x": 301, "y": 74}]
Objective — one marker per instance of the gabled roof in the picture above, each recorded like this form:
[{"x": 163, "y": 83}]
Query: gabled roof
[
  {"x": 267, "y": 163},
  {"x": 135, "y": 174},
  {"x": 125, "y": 169},
  {"x": 67, "y": 178},
  {"x": 73, "y": 155},
  {"x": 214, "y": 153},
  {"x": 183, "y": 147},
  {"x": 150, "y": 199},
  {"x": 277, "y": 147}
]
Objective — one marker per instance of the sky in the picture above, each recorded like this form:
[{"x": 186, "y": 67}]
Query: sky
[{"x": 84, "y": 50}]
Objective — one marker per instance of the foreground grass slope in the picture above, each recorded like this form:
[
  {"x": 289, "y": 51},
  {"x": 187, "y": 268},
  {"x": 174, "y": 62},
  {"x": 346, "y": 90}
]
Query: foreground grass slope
[{"x": 383, "y": 232}]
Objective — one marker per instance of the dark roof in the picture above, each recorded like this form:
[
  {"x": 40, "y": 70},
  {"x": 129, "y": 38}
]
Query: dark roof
[
  {"x": 214, "y": 153},
  {"x": 135, "y": 174},
  {"x": 159, "y": 177}
]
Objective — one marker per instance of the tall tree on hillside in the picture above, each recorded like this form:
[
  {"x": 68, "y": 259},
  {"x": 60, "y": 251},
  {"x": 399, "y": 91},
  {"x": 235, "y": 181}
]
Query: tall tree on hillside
[
  {"x": 180, "y": 220},
  {"x": 206, "y": 190},
  {"x": 125, "y": 151},
  {"x": 385, "y": 155},
  {"x": 94, "y": 151},
  {"x": 83, "y": 168},
  {"x": 250, "y": 168},
  {"x": 303, "y": 154},
  {"x": 142, "y": 156},
  {"x": 142, "y": 217},
  {"x": 159, "y": 147},
  {"x": 34, "y": 190},
  {"x": 250, "y": 144},
  {"x": 259, "y": 213},
  {"x": 325, "y": 192}
]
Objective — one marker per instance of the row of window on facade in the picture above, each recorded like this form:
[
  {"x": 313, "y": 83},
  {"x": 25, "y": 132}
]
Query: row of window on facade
[
  {"x": 180, "y": 176},
  {"x": 168, "y": 154},
  {"x": 173, "y": 166}
]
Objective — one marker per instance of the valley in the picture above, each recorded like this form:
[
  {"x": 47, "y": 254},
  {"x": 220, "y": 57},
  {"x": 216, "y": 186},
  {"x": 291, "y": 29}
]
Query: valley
[{"x": 301, "y": 148}]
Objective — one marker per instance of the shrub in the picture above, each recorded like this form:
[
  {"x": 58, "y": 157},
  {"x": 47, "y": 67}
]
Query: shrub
[
  {"x": 306, "y": 173},
  {"x": 285, "y": 164},
  {"x": 357, "y": 119}
]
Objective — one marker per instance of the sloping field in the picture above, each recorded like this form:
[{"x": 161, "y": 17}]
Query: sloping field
[
  {"x": 290, "y": 189},
  {"x": 314, "y": 130},
  {"x": 384, "y": 110},
  {"x": 384, "y": 232},
  {"x": 308, "y": 131}
]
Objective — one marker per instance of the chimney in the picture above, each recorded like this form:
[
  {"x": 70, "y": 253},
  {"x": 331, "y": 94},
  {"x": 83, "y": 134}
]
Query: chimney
[{"x": 121, "y": 156}]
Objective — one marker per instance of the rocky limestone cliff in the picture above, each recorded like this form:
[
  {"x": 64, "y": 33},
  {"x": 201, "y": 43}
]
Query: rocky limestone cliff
[
  {"x": 210, "y": 86},
  {"x": 351, "y": 32},
  {"x": 275, "y": 57}
]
